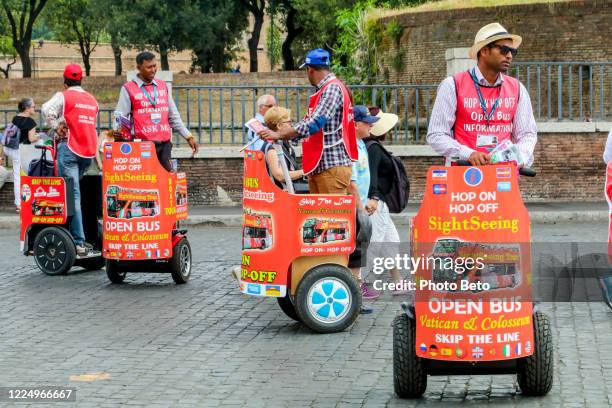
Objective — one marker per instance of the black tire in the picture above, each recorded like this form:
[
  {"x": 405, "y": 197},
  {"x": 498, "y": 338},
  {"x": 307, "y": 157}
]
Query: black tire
[
  {"x": 54, "y": 251},
  {"x": 181, "y": 262},
  {"x": 288, "y": 307},
  {"x": 409, "y": 374},
  {"x": 314, "y": 284},
  {"x": 535, "y": 374},
  {"x": 113, "y": 273},
  {"x": 92, "y": 264}
]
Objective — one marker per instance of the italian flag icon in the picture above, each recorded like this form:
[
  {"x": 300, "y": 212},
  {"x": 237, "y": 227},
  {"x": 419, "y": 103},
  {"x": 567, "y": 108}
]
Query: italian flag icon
[{"x": 506, "y": 350}]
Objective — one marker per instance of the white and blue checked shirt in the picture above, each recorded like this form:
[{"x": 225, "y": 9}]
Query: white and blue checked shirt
[{"x": 330, "y": 107}]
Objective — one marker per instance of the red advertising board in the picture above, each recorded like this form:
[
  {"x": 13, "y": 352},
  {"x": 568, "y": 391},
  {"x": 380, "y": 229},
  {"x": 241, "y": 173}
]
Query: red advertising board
[
  {"x": 142, "y": 202},
  {"x": 43, "y": 201},
  {"x": 482, "y": 310},
  {"x": 279, "y": 227}
]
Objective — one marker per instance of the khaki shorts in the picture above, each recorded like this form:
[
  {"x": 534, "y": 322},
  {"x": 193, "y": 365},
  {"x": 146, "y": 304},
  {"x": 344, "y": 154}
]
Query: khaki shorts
[{"x": 335, "y": 180}]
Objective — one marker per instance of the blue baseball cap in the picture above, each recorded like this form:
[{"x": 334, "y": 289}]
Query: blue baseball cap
[
  {"x": 317, "y": 57},
  {"x": 361, "y": 113}
]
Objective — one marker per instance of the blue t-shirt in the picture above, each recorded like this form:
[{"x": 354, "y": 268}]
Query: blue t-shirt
[{"x": 361, "y": 172}]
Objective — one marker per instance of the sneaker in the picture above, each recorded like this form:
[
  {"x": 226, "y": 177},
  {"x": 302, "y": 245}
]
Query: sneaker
[
  {"x": 366, "y": 309},
  {"x": 367, "y": 292},
  {"x": 82, "y": 250}
]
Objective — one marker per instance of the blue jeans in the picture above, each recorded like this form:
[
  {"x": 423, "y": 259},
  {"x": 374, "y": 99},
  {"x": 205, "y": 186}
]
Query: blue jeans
[{"x": 73, "y": 166}]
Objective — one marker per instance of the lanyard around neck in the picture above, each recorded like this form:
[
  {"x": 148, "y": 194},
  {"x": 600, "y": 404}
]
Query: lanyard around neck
[
  {"x": 153, "y": 100},
  {"x": 483, "y": 103}
]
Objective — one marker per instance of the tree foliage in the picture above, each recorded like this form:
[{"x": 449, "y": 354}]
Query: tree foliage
[
  {"x": 218, "y": 27},
  {"x": 21, "y": 16},
  {"x": 80, "y": 21}
]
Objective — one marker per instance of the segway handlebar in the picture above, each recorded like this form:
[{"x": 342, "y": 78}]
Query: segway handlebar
[
  {"x": 42, "y": 147},
  {"x": 523, "y": 171}
]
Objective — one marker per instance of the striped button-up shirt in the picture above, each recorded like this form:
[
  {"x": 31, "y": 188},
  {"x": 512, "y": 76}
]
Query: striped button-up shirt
[
  {"x": 440, "y": 132},
  {"x": 329, "y": 112}
]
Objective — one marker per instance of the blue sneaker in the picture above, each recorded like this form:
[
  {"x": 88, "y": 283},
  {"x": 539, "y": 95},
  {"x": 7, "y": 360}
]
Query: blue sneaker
[{"x": 366, "y": 309}]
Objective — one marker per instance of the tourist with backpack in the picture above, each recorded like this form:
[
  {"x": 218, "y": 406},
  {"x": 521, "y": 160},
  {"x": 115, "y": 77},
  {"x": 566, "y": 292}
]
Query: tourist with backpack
[
  {"x": 21, "y": 130},
  {"x": 388, "y": 191}
]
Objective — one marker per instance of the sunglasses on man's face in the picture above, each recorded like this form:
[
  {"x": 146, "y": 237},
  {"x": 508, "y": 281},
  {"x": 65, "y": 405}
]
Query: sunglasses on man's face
[{"x": 504, "y": 49}]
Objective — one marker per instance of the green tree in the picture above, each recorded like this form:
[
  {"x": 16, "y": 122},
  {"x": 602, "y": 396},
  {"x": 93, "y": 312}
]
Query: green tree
[
  {"x": 161, "y": 24},
  {"x": 7, "y": 52},
  {"x": 356, "y": 58},
  {"x": 273, "y": 39},
  {"x": 257, "y": 8},
  {"x": 21, "y": 16},
  {"x": 80, "y": 21},
  {"x": 216, "y": 29}
]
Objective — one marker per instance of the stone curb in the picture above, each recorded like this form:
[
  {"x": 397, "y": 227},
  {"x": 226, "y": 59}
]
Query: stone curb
[{"x": 235, "y": 220}]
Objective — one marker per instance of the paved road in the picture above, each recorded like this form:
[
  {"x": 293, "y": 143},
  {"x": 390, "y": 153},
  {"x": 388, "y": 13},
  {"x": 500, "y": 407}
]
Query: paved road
[{"x": 152, "y": 343}]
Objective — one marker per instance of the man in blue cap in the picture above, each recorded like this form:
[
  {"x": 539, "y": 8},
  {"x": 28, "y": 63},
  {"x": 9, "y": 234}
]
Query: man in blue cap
[{"x": 328, "y": 130}]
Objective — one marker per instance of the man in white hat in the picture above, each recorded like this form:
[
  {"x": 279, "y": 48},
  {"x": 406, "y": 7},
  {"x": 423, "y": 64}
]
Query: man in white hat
[{"x": 477, "y": 109}]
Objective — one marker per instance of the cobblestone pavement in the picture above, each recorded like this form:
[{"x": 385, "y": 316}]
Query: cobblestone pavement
[{"x": 204, "y": 344}]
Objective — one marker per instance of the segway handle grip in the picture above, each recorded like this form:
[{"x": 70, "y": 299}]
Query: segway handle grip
[{"x": 523, "y": 171}]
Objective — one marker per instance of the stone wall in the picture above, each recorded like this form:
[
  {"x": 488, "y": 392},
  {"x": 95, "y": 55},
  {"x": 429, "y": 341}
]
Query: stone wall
[
  {"x": 569, "y": 167},
  {"x": 565, "y": 31},
  {"x": 106, "y": 89}
]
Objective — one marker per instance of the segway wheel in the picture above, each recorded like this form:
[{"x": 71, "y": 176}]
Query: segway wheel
[
  {"x": 535, "y": 375},
  {"x": 328, "y": 299},
  {"x": 181, "y": 262},
  {"x": 113, "y": 273},
  {"x": 409, "y": 374},
  {"x": 288, "y": 307},
  {"x": 54, "y": 251}
]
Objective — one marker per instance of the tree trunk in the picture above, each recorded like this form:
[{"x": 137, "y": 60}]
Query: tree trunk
[
  {"x": 254, "y": 40},
  {"x": 292, "y": 33},
  {"x": 87, "y": 63},
  {"x": 117, "y": 54},
  {"x": 163, "y": 55},
  {"x": 24, "y": 56}
]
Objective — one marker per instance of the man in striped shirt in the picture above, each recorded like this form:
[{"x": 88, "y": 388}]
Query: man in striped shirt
[{"x": 478, "y": 109}]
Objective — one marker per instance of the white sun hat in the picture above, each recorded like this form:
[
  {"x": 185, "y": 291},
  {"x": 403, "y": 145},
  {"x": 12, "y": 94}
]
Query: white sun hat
[
  {"x": 491, "y": 33},
  {"x": 386, "y": 122}
]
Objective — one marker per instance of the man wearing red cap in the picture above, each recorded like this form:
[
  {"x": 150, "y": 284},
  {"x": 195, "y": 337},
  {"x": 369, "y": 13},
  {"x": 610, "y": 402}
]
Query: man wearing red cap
[{"x": 73, "y": 114}]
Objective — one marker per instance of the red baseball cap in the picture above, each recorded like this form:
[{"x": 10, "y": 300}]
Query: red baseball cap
[{"x": 73, "y": 71}]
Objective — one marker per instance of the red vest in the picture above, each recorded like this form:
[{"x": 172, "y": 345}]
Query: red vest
[
  {"x": 312, "y": 147},
  {"x": 471, "y": 128},
  {"x": 150, "y": 120},
  {"x": 80, "y": 113}
]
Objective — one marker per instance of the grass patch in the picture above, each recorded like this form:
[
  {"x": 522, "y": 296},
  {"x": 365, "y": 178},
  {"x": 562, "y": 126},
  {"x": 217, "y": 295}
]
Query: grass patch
[{"x": 442, "y": 5}]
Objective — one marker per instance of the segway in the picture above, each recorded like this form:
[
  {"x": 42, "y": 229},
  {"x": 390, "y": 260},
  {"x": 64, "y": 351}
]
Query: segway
[
  {"x": 477, "y": 318},
  {"x": 296, "y": 249},
  {"x": 47, "y": 203},
  {"x": 143, "y": 205}
]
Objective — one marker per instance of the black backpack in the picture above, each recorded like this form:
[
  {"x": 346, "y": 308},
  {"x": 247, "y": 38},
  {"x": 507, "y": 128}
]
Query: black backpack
[
  {"x": 11, "y": 136},
  {"x": 42, "y": 167},
  {"x": 397, "y": 198}
]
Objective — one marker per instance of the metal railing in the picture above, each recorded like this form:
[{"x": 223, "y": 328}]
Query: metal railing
[
  {"x": 217, "y": 114},
  {"x": 580, "y": 91},
  {"x": 560, "y": 91}
]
